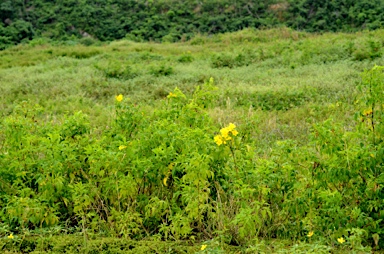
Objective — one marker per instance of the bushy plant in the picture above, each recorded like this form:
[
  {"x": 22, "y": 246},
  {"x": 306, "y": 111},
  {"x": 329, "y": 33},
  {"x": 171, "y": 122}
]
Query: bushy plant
[
  {"x": 367, "y": 49},
  {"x": 116, "y": 69},
  {"x": 161, "y": 70},
  {"x": 231, "y": 60},
  {"x": 185, "y": 58}
]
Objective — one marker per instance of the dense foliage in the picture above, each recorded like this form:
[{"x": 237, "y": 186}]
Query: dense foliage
[
  {"x": 173, "y": 20},
  {"x": 270, "y": 135},
  {"x": 167, "y": 174}
]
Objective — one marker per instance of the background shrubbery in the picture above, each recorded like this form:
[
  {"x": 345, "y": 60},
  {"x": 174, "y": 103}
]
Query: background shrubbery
[{"x": 174, "y": 20}]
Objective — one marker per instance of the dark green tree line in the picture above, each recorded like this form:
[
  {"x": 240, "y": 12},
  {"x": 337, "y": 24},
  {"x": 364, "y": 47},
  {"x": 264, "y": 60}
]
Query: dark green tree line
[{"x": 173, "y": 20}]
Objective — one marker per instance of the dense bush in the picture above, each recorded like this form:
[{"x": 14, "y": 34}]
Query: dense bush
[
  {"x": 174, "y": 20},
  {"x": 172, "y": 173}
]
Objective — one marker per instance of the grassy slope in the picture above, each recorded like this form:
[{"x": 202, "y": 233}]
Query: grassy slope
[
  {"x": 280, "y": 81},
  {"x": 278, "y": 69}
]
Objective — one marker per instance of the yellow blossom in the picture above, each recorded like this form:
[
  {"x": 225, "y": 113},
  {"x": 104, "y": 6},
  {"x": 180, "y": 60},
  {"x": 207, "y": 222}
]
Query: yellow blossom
[
  {"x": 10, "y": 236},
  {"x": 341, "y": 240},
  {"x": 122, "y": 147},
  {"x": 310, "y": 234},
  {"x": 119, "y": 97},
  {"x": 225, "y": 133},
  {"x": 218, "y": 139},
  {"x": 231, "y": 127},
  {"x": 203, "y": 247},
  {"x": 170, "y": 95}
]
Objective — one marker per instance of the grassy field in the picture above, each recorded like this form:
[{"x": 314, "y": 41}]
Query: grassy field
[
  {"x": 294, "y": 176},
  {"x": 280, "y": 74}
]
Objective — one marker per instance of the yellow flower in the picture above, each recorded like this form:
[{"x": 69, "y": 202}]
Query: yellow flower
[
  {"x": 310, "y": 234},
  {"x": 119, "y": 97},
  {"x": 231, "y": 127},
  {"x": 122, "y": 147},
  {"x": 170, "y": 95},
  {"x": 341, "y": 240},
  {"x": 165, "y": 181},
  {"x": 225, "y": 132},
  {"x": 10, "y": 236},
  {"x": 203, "y": 247},
  {"x": 218, "y": 139}
]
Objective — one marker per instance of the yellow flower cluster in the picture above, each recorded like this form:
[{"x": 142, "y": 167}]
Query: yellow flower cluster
[
  {"x": 119, "y": 97},
  {"x": 226, "y": 134}
]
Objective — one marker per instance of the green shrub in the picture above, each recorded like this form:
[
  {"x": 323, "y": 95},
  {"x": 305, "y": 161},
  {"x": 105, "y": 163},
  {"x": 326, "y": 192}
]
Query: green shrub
[
  {"x": 79, "y": 52},
  {"x": 367, "y": 49},
  {"x": 185, "y": 58},
  {"x": 227, "y": 60},
  {"x": 161, "y": 70},
  {"x": 116, "y": 69},
  {"x": 272, "y": 99},
  {"x": 87, "y": 41}
]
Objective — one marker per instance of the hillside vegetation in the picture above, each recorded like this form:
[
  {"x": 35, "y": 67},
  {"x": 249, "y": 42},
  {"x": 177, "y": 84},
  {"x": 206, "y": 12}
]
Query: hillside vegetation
[
  {"x": 246, "y": 142},
  {"x": 175, "y": 20}
]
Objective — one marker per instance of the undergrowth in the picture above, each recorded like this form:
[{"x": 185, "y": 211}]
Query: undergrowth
[{"x": 285, "y": 145}]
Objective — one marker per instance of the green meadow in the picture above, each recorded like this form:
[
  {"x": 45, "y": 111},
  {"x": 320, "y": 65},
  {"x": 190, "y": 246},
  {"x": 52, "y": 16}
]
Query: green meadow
[{"x": 258, "y": 141}]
